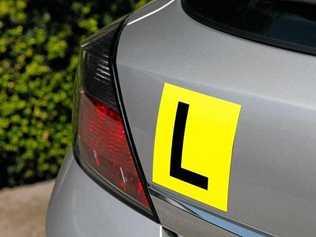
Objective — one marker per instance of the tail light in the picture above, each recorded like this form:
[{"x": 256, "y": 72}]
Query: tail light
[{"x": 102, "y": 144}]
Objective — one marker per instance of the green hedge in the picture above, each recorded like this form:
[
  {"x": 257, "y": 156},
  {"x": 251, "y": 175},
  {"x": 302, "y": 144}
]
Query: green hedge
[{"x": 39, "y": 44}]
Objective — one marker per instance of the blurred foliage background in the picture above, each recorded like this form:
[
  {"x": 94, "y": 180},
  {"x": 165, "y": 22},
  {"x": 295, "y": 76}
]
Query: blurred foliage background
[{"x": 39, "y": 44}]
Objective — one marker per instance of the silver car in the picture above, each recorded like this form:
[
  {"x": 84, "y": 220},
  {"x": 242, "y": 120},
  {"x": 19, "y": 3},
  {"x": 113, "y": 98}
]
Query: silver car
[{"x": 194, "y": 118}]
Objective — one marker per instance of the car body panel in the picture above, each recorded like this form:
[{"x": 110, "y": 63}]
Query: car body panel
[
  {"x": 80, "y": 207},
  {"x": 273, "y": 173},
  {"x": 181, "y": 222}
]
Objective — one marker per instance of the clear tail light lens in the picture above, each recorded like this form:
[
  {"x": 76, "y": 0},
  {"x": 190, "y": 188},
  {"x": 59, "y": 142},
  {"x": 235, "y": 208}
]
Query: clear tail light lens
[{"x": 102, "y": 143}]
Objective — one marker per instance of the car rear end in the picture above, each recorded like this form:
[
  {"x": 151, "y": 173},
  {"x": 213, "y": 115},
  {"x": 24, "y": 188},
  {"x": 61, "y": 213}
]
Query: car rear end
[{"x": 243, "y": 73}]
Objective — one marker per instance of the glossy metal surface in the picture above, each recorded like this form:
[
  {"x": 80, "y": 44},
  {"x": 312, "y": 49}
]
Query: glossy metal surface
[
  {"x": 79, "y": 207},
  {"x": 213, "y": 219},
  {"x": 272, "y": 184}
]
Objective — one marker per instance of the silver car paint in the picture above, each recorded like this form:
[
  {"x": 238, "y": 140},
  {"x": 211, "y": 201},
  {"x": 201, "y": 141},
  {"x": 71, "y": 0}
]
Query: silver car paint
[
  {"x": 272, "y": 185},
  {"x": 79, "y": 208}
]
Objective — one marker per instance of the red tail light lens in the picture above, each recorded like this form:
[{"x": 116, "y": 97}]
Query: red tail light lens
[{"x": 104, "y": 144}]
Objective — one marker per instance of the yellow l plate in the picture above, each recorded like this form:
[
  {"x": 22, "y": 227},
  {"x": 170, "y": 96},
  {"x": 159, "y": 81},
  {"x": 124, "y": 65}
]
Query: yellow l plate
[{"x": 193, "y": 145}]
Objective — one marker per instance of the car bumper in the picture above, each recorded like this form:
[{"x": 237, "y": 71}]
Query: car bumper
[{"x": 79, "y": 207}]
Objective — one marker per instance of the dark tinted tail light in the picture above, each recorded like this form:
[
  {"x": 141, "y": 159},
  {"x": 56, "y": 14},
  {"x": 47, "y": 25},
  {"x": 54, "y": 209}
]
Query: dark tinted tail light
[{"x": 102, "y": 144}]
